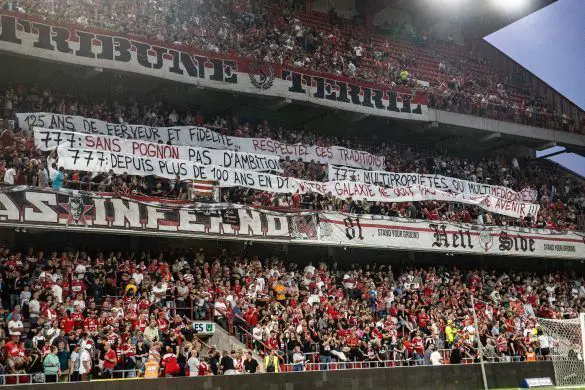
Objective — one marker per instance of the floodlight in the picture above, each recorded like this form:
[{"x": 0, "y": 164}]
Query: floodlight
[{"x": 510, "y": 5}]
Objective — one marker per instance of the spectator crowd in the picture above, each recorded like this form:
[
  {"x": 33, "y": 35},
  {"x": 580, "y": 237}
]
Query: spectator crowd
[
  {"x": 561, "y": 195},
  {"x": 456, "y": 77},
  {"x": 77, "y": 315}
]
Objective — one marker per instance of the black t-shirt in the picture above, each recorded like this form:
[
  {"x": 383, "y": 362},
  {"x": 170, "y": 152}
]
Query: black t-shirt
[
  {"x": 171, "y": 343},
  {"x": 227, "y": 363},
  {"x": 188, "y": 334},
  {"x": 250, "y": 366},
  {"x": 455, "y": 357}
]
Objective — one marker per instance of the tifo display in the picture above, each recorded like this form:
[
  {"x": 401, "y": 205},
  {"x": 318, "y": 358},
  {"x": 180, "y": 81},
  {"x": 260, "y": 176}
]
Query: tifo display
[
  {"x": 231, "y": 187},
  {"x": 73, "y": 156}
]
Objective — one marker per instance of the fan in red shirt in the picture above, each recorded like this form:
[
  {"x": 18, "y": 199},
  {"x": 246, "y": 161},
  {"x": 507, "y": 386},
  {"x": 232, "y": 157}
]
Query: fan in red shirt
[
  {"x": 67, "y": 324},
  {"x": 423, "y": 319},
  {"x": 204, "y": 368},
  {"x": 110, "y": 359},
  {"x": 141, "y": 323},
  {"x": 49, "y": 313},
  {"x": 502, "y": 343},
  {"x": 91, "y": 323},
  {"x": 169, "y": 363},
  {"x": 66, "y": 286},
  {"x": 251, "y": 316},
  {"x": 163, "y": 324},
  {"x": 143, "y": 304},
  {"x": 77, "y": 317},
  {"x": 272, "y": 341},
  {"x": 78, "y": 286},
  {"x": 418, "y": 345},
  {"x": 352, "y": 340}
]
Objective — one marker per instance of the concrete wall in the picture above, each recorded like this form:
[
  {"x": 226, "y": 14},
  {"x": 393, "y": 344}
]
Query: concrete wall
[
  {"x": 475, "y": 122},
  {"x": 223, "y": 341},
  {"x": 468, "y": 377}
]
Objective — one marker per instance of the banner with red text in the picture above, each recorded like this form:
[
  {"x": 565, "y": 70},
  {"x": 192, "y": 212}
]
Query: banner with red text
[
  {"x": 439, "y": 236},
  {"x": 202, "y": 137},
  {"x": 416, "y": 193},
  {"x": 119, "y": 163},
  {"x": 47, "y": 139},
  {"x": 439, "y": 182}
]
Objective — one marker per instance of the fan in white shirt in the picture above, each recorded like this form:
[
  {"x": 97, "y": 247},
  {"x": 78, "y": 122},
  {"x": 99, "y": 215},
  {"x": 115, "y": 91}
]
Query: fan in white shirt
[
  {"x": 10, "y": 176},
  {"x": 193, "y": 364},
  {"x": 138, "y": 277},
  {"x": 15, "y": 327},
  {"x": 436, "y": 358}
]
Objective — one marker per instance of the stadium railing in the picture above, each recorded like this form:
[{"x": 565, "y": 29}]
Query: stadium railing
[
  {"x": 38, "y": 377},
  {"x": 349, "y": 365}
]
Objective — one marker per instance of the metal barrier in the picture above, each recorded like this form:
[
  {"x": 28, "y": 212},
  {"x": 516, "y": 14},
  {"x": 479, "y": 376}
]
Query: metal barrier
[
  {"x": 39, "y": 377},
  {"x": 336, "y": 366}
]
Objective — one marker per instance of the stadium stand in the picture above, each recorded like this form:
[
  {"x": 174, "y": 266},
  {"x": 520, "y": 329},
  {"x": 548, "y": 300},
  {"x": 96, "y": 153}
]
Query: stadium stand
[
  {"x": 560, "y": 194},
  {"x": 457, "y": 78},
  {"x": 72, "y": 311},
  {"x": 321, "y": 317}
]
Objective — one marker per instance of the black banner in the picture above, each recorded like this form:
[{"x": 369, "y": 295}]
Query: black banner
[{"x": 87, "y": 211}]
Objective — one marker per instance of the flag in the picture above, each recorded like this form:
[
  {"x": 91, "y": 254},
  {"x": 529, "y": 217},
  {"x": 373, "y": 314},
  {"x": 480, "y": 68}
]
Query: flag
[{"x": 203, "y": 187}]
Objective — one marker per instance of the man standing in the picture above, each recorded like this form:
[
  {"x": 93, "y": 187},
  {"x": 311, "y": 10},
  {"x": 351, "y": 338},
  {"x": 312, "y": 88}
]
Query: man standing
[
  {"x": 51, "y": 366},
  {"x": 59, "y": 178},
  {"x": 226, "y": 364},
  {"x": 436, "y": 358},
  {"x": 193, "y": 363},
  {"x": 10, "y": 176},
  {"x": 450, "y": 333},
  {"x": 74, "y": 363},
  {"x": 419, "y": 349},
  {"x": 250, "y": 364},
  {"x": 298, "y": 359},
  {"x": 110, "y": 360},
  {"x": 271, "y": 362},
  {"x": 63, "y": 356},
  {"x": 85, "y": 361}
]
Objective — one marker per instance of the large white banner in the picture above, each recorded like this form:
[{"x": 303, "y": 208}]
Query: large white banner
[
  {"x": 439, "y": 182},
  {"x": 47, "y": 139},
  {"x": 440, "y": 236},
  {"x": 416, "y": 193},
  {"x": 119, "y": 163},
  {"x": 203, "y": 137}
]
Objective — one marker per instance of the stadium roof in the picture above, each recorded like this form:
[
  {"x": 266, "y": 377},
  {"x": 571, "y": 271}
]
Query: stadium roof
[
  {"x": 477, "y": 17},
  {"x": 550, "y": 44}
]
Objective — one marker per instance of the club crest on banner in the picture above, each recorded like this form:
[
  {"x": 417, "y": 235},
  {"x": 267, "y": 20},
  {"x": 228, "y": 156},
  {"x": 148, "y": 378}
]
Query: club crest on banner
[
  {"x": 77, "y": 210},
  {"x": 486, "y": 239},
  {"x": 261, "y": 75},
  {"x": 304, "y": 227},
  {"x": 326, "y": 229}
]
